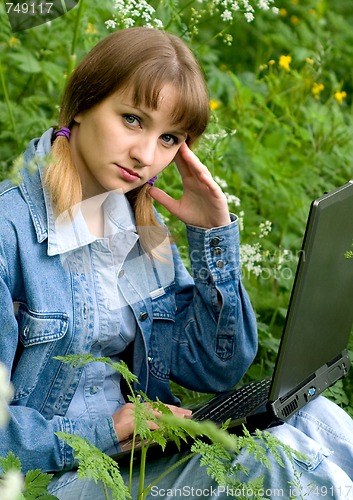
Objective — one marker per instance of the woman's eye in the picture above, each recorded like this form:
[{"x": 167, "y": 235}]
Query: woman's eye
[
  {"x": 131, "y": 120},
  {"x": 170, "y": 140}
]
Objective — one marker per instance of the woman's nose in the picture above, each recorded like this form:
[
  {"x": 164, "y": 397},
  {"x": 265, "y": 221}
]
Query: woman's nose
[{"x": 144, "y": 151}]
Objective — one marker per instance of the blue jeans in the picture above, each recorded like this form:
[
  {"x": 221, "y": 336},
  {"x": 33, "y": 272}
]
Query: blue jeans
[{"x": 321, "y": 430}]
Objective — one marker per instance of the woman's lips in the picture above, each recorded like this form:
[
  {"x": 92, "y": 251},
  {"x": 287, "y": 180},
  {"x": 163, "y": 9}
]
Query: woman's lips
[{"x": 127, "y": 174}]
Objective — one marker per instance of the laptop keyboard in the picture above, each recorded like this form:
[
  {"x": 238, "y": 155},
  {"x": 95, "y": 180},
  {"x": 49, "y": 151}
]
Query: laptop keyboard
[{"x": 235, "y": 404}]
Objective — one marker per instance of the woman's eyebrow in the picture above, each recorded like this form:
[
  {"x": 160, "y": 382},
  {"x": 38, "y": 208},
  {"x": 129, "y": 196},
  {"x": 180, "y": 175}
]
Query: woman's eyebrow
[{"x": 139, "y": 110}]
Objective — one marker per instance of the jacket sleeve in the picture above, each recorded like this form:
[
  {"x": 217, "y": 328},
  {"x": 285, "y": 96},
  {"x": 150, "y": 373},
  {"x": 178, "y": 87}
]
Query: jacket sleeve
[
  {"x": 215, "y": 334},
  {"x": 29, "y": 435}
]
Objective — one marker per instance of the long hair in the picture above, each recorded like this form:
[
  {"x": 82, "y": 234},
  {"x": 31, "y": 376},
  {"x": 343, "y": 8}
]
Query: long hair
[{"x": 143, "y": 61}]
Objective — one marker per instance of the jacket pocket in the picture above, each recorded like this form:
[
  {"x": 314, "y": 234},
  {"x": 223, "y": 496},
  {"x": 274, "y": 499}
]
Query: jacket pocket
[
  {"x": 38, "y": 333},
  {"x": 37, "y": 328}
]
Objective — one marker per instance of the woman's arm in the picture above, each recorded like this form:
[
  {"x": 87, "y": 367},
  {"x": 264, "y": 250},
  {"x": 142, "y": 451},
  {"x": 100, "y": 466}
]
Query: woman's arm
[
  {"x": 215, "y": 336},
  {"x": 213, "y": 346}
]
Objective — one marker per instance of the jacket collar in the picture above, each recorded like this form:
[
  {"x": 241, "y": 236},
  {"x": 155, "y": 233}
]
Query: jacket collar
[{"x": 31, "y": 185}]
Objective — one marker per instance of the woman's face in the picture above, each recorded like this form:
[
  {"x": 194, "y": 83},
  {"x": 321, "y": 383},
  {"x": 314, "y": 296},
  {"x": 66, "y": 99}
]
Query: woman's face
[{"x": 116, "y": 145}]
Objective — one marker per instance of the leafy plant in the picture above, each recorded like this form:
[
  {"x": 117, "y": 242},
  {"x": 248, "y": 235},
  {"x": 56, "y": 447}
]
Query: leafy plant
[
  {"x": 33, "y": 485},
  {"x": 218, "y": 453}
]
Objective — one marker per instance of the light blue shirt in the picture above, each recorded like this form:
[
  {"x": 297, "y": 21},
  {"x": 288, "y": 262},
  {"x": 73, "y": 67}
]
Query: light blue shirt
[{"x": 70, "y": 236}]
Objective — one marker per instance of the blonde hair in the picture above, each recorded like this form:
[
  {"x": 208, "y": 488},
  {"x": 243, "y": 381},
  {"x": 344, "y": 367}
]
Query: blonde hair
[{"x": 143, "y": 61}]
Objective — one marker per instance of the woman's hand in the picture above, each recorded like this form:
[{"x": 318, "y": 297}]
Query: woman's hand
[
  {"x": 124, "y": 419},
  {"x": 203, "y": 202}
]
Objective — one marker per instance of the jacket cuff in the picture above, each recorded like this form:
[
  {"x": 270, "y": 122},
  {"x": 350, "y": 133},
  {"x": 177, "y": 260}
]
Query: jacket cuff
[
  {"x": 214, "y": 253},
  {"x": 101, "y": 434}
]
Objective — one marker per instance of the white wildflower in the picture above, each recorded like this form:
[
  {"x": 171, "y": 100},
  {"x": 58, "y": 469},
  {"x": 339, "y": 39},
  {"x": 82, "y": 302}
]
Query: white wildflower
[
  {"x": 11, "y": 485},
  {"x": 129, "y": 22},
  {"x": 249, "y": 16},
  {"x": 232, "y": 200},
  {"x": 248, "y": 7},
  {"x": 263, "y": 4},
  {"x": 251, "y": 258},
  {"x": 129, "y": 11},
  {"x": 265, "y": 228},
  {"x": 146, "y": 16},
  {"x": 158, "y": 24},
  {"x": 221, "y": 182},
  {"x": 110, "y": 24},
  {"x": 227, "y": 16},
  {"x": 119, "y": 4}
]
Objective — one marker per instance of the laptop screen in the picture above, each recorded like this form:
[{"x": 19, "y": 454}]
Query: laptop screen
[{"x": 320, "y": 313}]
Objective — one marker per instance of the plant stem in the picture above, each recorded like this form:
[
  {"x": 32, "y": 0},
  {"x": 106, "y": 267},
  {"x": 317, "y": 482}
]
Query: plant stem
[
  {"x": 141, "y": 493},
  {"x": 177, "y": 14},
  {"x": 105, "y": 491},
  {"x": 159, "y": 478},
  {"x": 132, "y": 461},
  {"x": 63, "y": 4},
  {"x": 8, "y": 102},
  {"x": 72, "y": 59}
]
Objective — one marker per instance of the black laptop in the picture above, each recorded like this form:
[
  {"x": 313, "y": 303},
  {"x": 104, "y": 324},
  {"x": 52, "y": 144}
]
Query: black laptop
[{"x": 313, "y": 350}]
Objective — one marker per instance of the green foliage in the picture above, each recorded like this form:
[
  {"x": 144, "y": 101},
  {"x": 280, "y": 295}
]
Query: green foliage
[
  {"x": 217, "y": 448},
  {"x": 97, "y": 466},
  {"x": 35, "y": 482},
  {"x": 80, "y": 360}
]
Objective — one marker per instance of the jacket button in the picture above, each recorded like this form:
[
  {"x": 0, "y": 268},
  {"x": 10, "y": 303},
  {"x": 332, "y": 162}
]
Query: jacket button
[
  {"x": 143, "y": 316},
  {"x": 215, "y": 241},
  {"x": 217, "y": 251},
  {"x": 121, "y": 273},
  {"x": 220, "y": 264},
  {"x": 149, "y": 359}
]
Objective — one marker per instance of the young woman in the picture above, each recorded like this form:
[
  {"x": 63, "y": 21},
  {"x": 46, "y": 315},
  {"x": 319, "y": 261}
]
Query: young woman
[{"x": 86, "y": 267}]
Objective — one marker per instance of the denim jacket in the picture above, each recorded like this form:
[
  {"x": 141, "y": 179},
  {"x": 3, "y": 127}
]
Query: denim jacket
[{"x": 47, "y": 310}]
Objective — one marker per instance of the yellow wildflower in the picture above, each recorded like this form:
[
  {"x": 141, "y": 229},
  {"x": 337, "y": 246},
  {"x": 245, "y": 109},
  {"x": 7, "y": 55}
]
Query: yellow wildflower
[
  {"x": 91, "y": 29},
  {"x": 214, "y": 104},
  {"x": 339, "y": 96},
  {"x": 317, "y": 88},
  {"x": 284, "y": 62},
  {"x": 309, "y": 60},
  {"x": 295, "y": 2},
  {"x": 271, "y": 62},
  {"x": 294, "y": 20},
  {"x": 14, "y": 42},
  {"x": 283, "y": 12}
]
